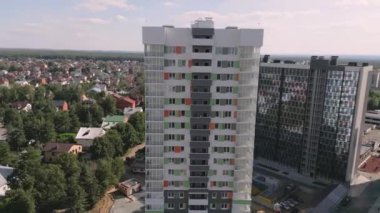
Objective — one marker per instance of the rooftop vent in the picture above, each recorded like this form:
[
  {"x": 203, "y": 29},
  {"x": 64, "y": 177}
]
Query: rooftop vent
[
  {"x": 266, "y": 58},
  {"x": 354, "y": 64},
  {"x": 334, "y": 60},
  {"x": 203, "y": 23},
  {"x": 289, "y": 62},
  {"x": 277, "y": 61}
]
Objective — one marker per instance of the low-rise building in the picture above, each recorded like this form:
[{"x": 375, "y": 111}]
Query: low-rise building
[
  {"x": 54, "y": 150},
  {"x": 5, "y": 172},
  {"x": 123, "y": 101},
  {"x": 130, "y": 111},
  {"x": 61, "y": 105},
  {"x": 372, "y": 117},
  {"x": 86, "y": 135},
  {"x": 22, "y": 105},
  {"x": 129, "y": 187}
]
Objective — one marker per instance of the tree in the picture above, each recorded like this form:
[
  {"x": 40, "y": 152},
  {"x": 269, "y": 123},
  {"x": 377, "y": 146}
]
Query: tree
[
  {"x": 114, "y": 137},
  {"x": 90, "y": 185},
  {"x": 16, "y": 139},
  {"x": 102, "y": 148},
  {"x": 118, "y": 168},
  {"x": 12, "y": 118},
  {"x": 128, "y": 134},
  {"x": 105, "y": 174},
  {"x": 18, "y": 201},
  {"x": 137, "y": 120},
  {"x": 6, "y": 156},
  {"x": 50, "y": 189},
  {"x": 109, "y": 105},
  {"x": 69, "y": 165},
  {"x": 62, "y": 122}
]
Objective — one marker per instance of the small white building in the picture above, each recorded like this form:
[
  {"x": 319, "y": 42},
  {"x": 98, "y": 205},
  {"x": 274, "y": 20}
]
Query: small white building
[
  {"x": 5, "y": 172},
  {"x": 86, "y": 135},
  {"x": 128, "y": 111}
]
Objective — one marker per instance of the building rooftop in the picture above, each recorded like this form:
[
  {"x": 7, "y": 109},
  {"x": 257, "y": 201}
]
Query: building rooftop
[
  {"x": 90, "y": 133},
  {"x": 5, "y": 172},
  {"x": 59, "y": 147}
]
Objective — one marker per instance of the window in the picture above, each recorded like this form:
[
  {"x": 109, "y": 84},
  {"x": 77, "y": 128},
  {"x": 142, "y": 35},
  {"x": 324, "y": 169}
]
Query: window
[
  {"x": 181, "y": 195},
  {"x": 214, "y": 195},
  {"x": 169, "y": 63},
  {"x": 224, "y": 195},
  {"x": 225, "y": 64},
  {"x": 226, "y": 51},
  {"x": 224, "y": 206},
  {"x": 212, "y": 206},
  {"x": 171, "y": 100},
  {"x": 170, "y": 194},
  {"x": 182, "y": 205},
  {"x": 170, "y": 206},
  {"x": 181, "y": 63}
]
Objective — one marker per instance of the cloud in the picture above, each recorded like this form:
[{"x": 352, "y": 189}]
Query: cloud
[
  {"x": 353, "y": 3},
  {"x": 101, "y": 5},
  {"x": 121, "y": 17},
  {"x": 169, "y": 4},
  {"x": 346, "y": 3},
  {"x": 243, "y": 19},
  {"x": 92, "y": 20}
]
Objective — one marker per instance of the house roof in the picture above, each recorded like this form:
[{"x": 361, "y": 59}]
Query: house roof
[
  {"x": 59, "y": 147},
  {"x": 19, "y": 104},
  {"x": 90, "y": 133},
  {"x": 5, "y": 172},
  {"x": 114, "y": 118},
  {"x": 59, "y": 103}
]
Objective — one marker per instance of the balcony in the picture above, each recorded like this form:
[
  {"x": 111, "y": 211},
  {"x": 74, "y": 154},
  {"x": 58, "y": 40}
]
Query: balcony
[
  {"x": 201, "y": 95},
  {"x": 199, "y": 155}
]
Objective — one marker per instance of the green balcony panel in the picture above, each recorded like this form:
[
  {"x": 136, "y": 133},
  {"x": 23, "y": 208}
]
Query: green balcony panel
[
  {"x": 237, "y": 64},
  {"x": 214, "y": 76},
  {"x": 235, "y": 90},
  {"x": 188, "y": 113},
  {"x": 188, "y": 76}
]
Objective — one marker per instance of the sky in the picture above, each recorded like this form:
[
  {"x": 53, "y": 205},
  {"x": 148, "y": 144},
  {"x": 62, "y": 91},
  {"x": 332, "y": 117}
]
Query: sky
[{"x": 290, "y": 26}]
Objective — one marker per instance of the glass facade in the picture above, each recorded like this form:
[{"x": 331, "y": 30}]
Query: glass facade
[{"x": 305, "y": 117}]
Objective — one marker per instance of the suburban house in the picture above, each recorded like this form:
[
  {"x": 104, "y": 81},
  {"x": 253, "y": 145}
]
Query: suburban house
[
  {"x": 98, "y": 88},
  {"x": 22, "y": 105},
  {"x": 4, "y": 82},
  {"x": 129, "y": 111},
  {"x": 129, "y": 187},
  {"x": 123, "y": 101},
  {"x": 112, "y": 120},
  {"x": 61, "y": 105},
  {"x": 53, "y": 150},
  {"x": 86, "y": 135},
  {"x": 5, "y": 172}
]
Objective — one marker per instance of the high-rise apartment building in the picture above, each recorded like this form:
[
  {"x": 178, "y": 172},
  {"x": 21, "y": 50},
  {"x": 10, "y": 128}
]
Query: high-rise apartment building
[
  {"x": 200, "y": 95},
  {"x": 309, "y": 116}
]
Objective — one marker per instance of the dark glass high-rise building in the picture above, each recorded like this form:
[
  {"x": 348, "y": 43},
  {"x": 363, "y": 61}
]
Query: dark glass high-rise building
[{"x": 309, "y": 116}]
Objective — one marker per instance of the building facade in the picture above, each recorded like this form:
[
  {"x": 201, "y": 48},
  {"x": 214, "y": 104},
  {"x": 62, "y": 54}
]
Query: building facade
[
  {"x": 310, "y": 116},
  {"x": 200, "y": 96}
]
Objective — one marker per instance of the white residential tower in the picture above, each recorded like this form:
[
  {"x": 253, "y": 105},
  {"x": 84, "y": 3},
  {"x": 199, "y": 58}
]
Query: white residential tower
[{"x": 200, "y": 97}]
